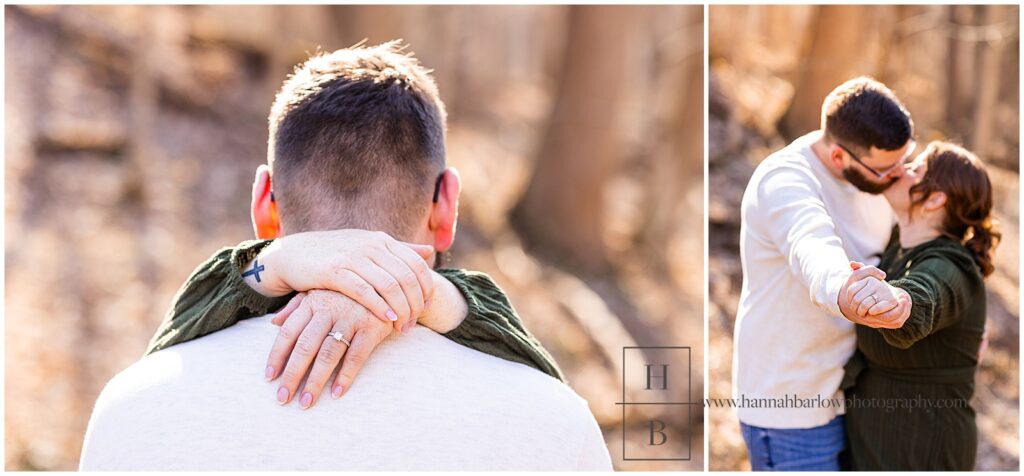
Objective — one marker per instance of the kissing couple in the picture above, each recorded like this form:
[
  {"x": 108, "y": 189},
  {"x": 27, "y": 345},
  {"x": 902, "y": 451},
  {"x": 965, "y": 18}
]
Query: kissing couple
[{"x": 863, "y": 284}]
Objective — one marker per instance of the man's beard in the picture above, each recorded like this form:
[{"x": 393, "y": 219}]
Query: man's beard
[{"x": 864, "y": 184}]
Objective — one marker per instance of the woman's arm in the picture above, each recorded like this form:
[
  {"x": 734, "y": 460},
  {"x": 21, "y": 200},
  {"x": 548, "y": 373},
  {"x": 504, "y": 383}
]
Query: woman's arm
[
  {"x": 216, "y": 296},
  {"x": 388, "y": 277},
  {"x": 493, "y": 326},
  {"x": 256, "y": 277},
  {"x": 941, "y": 292}
]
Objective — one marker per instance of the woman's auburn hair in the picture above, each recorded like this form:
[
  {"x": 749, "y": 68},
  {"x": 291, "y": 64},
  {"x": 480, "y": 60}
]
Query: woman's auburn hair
[{"x": 959, "y": 174}]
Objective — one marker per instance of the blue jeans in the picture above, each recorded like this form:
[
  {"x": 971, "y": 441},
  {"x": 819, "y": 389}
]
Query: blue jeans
[{"x": 805, "y": 449}]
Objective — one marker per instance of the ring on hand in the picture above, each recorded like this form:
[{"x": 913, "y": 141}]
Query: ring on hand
[{"x": 340, "y": 337}]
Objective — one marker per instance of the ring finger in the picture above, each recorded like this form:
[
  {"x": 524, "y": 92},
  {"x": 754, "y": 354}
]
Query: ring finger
[
  {"x": 866, "y": 304},
  {"x": 870, "y": 289},
  {"x": 331, "y": 353}
]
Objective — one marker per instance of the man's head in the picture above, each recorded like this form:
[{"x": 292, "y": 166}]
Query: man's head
[
  {"x": 357, "y": 140},
  {"x": 869, "y": 132}
]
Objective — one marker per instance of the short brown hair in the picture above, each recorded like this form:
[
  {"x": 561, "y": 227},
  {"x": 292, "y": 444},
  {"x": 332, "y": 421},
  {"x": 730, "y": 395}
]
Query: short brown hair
[
  {"x": 863, "y": 113},
  {"x": 959, "y": 174},
  {"x": 356, "y": 141}
]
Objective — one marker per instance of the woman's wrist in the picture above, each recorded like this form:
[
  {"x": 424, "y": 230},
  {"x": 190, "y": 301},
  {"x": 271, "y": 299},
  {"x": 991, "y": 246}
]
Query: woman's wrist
[
  {"x": 262, "y": 273},
  {"x": 447, "y": 308}
]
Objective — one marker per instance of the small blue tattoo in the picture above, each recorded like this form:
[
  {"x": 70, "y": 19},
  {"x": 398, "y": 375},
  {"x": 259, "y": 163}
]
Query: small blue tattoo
[{"x": 255, "y": 271}]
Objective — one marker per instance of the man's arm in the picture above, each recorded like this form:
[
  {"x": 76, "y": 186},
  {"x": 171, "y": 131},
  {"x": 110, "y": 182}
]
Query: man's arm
[
  {"x": 796, "y": 221},
  {"x": 794, "y": 216}
]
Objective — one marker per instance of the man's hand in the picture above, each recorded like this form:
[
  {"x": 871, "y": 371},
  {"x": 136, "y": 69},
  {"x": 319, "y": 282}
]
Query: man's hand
[
  {"x": 867, "y": 299},
  {"x": 390, "y": 278}
]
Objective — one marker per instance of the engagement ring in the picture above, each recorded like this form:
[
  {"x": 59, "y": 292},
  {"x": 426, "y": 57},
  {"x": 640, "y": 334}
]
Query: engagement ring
[{"x": 340, "y": 337}]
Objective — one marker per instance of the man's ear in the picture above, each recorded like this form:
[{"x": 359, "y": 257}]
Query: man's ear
[
  {"x": 444, "y": 213},
  {"x": 264, "y": 209},
  {"x": 835, "y": 154}
]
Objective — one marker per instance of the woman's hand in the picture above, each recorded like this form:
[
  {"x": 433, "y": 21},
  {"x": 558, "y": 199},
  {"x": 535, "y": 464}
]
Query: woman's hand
[
  {"x": 304, "y": 341},
  {"x": 306, "y": 323},
  {"x": 868, "y": 300},
  {"x": 872, "y": 296},
  {"x": 390, "y": 278}
]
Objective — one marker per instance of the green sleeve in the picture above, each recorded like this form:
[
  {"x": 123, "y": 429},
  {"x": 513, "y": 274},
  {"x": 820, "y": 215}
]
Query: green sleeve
[
  {"x": 940, "y": 294},
  {"x": 492, "y": 325},
  {"x": 215, "y": 297}
]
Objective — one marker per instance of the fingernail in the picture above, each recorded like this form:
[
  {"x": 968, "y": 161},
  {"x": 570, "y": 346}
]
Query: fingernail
[
  {"x": 307, "y": 400},
  {"x": 336, "y": 391},
  {"x": 282, "y": 395},
  {"x": 391, "y": 315},
  {"x": 270, "y": 373}
]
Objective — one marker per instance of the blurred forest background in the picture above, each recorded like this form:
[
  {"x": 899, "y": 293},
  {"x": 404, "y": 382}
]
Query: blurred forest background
[
  {"x": 957, "y": 70},
  {"x": 133, "y": 134}
]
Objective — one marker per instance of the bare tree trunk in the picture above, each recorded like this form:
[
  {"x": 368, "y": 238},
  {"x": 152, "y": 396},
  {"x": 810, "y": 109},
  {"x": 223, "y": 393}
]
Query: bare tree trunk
[
  {"x": 560, "y": 215},
  {"x": 142, "y": 187},
  {"x": 890, "y": 42},
  {"x": 963, "y": 62},
  {"x": 678, "y": 167},
  {"x": 989, "y": 77},
  {"x": 837, "y": 45}
]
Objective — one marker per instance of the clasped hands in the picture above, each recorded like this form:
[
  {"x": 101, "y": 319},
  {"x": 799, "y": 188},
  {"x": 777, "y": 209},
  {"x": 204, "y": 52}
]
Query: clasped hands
[
  {"x": 362, "y": 285},
  {"x": 867, "y": 299}
]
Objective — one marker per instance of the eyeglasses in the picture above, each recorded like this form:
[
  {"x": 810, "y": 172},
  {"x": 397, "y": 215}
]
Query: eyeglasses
[
  {"x": 886, "y": 172},
  {"x": 437, "y": 186}
]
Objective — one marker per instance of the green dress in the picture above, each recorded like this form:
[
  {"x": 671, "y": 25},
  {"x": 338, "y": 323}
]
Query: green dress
[
  {"x": 216, "y": 297},
  {"x": 909, "y": 389}
]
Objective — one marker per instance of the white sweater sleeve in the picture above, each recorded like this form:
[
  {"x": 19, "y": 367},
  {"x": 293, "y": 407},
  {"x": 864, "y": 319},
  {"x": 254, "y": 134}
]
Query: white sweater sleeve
[
  {"x": 594, "y": 455},
  {"x": 793, "y": 214}
]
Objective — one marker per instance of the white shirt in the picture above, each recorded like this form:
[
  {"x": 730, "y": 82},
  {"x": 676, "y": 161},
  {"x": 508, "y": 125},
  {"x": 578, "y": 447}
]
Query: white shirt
[
  {"x": 800, "y": 228},
  {"x": 421, "y": 402}
]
